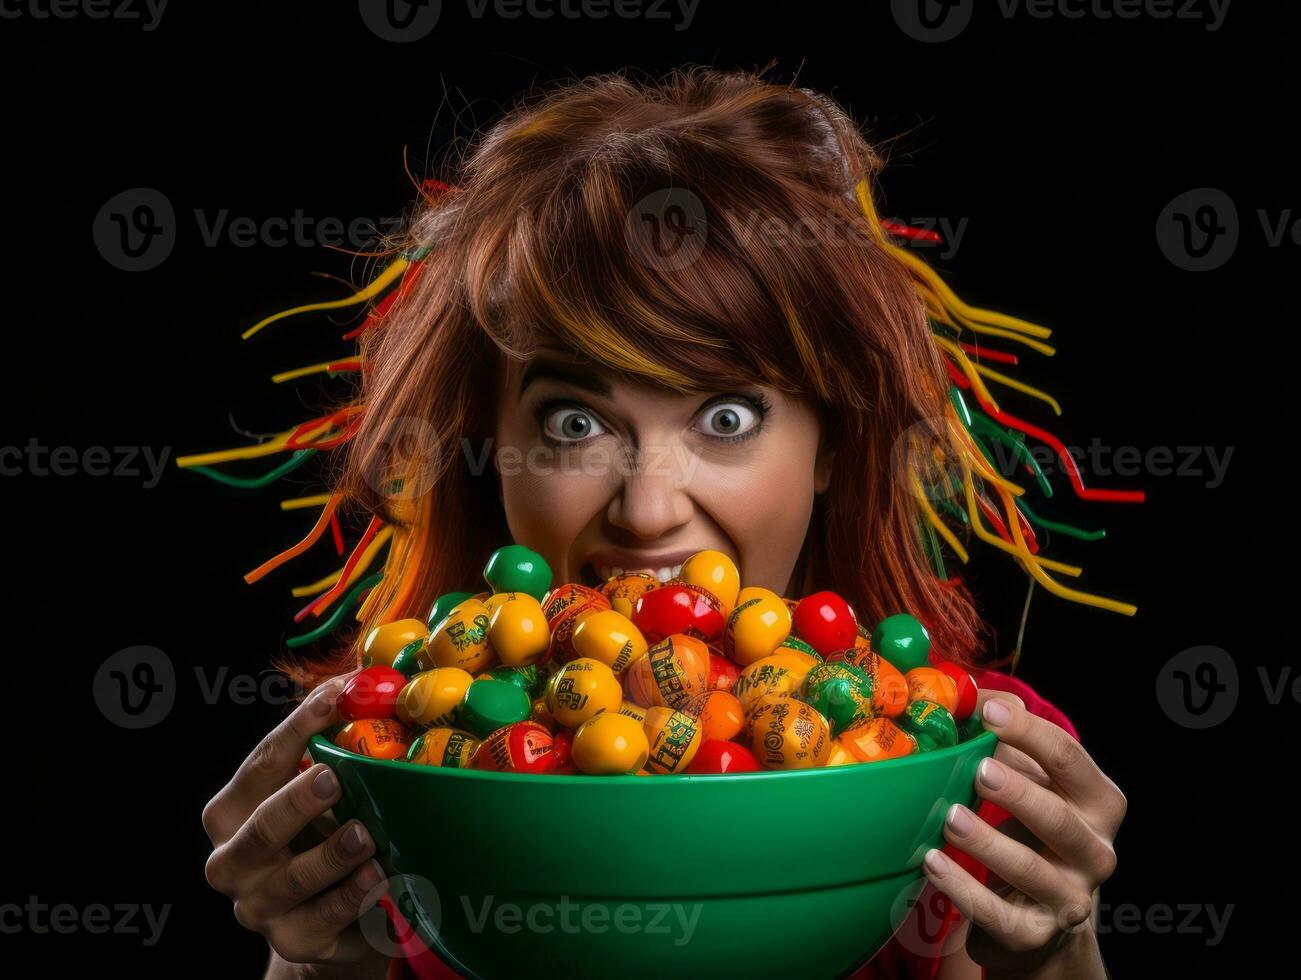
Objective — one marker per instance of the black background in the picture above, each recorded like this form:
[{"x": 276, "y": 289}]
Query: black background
[{"x": 1058, "y": 140}]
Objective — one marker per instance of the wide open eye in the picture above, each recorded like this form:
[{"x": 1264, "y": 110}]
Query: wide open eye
[
  {"x": 570, "y": 423},
  {"x": 724, "y": 420}
]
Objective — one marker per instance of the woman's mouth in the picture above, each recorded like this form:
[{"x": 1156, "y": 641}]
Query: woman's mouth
[{"x": 593, "y": 575}]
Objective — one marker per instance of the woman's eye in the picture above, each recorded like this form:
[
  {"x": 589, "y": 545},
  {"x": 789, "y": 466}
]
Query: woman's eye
[
  {"x": 727, "y": 419},
  {"x": 571, "y": 425}
]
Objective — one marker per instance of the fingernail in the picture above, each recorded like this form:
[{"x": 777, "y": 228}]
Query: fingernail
[
  {"x": 995, "y": 713},
  {"x": 354, "y": 841},
  {"x": 369, "y": 875},
  {"x": 935, "y": 861},
  {"x": 991, "y": 774},
  {"x": 959, "y": 820},
  {"x": 326, "y": 784}
]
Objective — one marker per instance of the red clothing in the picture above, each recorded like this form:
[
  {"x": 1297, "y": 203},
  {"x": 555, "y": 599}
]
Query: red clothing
[{"x": 917, "y": 947}]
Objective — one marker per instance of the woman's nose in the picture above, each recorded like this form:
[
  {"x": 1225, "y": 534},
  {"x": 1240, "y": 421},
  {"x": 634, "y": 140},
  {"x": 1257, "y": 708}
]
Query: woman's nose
[{"x": 652, "y": 499}]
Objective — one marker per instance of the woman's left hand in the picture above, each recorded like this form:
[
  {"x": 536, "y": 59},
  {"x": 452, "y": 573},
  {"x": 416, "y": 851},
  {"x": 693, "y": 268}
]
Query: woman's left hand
[{"x": 1051, "y": 854}]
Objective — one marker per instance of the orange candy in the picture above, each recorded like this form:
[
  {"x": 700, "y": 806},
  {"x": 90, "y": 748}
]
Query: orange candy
[
  {"x": 672, "y": 671},
  {"x": 788, "y": 734},
  {"x": 379, "y": 738},
  {"x": 929, "y": 684},
  {"x": 889, "y": 689},
  {"x": 877, "y": 739},
  {"x": 718, "y": 714}
]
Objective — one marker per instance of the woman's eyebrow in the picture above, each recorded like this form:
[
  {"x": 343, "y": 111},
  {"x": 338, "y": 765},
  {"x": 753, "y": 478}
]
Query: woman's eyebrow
[{"x": 570, "y": 374}]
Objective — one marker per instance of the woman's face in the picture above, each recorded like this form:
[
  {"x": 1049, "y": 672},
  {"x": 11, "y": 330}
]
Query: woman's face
[{"x": 600, "y": 475}]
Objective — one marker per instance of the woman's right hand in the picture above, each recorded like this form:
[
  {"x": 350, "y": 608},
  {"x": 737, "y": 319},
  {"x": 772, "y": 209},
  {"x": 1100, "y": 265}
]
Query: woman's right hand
[{"x": 306, "y": 904}]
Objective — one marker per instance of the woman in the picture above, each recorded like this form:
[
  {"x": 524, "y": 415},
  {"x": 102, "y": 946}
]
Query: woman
[{"x": 653, "y": 319}]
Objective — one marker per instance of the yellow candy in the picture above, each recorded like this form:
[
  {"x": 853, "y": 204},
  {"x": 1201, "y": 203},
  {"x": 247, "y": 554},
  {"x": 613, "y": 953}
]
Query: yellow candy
[
  {"x": 448, "y": 747},
  {"x": 462, "y": 638},
  {"x": 582, "y": 689},
  {"x": 500, "y": 598},
  {"x": 789, "y": 734},
  {"x": 386, "y": 641},
  {"x": 609, "y": 744},
  {"x": 611, "y": 638},
  {"x": 624, "y": 590},
  {"x": 518, "y": 630},
  {"x": 673, "y": 737},
  {"x": 429, "y": 699},
  {"x": 777, "y": 673},
  {"x": 633, "y": 711},
  {"x": 714, "y": 571},
  {"x": 756, "y": 627}
]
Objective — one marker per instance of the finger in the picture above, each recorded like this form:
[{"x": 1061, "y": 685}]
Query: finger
[
  {"x": 307, "y": 875},
  {"x": 276, "y": 758},
  {"x": 1071, "y": 768},
  {"x": 277, "y": 820},
  {"x": 329, "y": 914},
  {"x": 1022, "y": 763},
  {"x": 1019, "y": 928},
  {"x": 1049, "y": 817},
  {"x": 1019, "y": 866}
]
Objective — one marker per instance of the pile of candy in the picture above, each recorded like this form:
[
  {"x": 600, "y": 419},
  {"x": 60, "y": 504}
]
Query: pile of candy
[{"x": 692, "y": 675}]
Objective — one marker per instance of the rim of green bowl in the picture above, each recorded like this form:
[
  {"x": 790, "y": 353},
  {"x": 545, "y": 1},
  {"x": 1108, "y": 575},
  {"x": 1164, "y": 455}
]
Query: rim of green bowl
[{"x": 822, "y": 772}]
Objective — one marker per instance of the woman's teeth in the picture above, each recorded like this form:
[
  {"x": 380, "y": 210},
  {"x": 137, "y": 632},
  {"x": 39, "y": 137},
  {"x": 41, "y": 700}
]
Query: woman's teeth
[{"x": 663, "y": 574}]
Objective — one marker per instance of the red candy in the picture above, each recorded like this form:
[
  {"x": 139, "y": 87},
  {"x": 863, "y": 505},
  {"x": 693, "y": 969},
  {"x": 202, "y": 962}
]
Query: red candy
[
  {"x": 825, "y": 622},
  {"x": 678, "y": 608},
  {"x": 716, "y": 757},
  {"x": 562, "y": 747},
  {"x": 371, "y": 693},
  {"x": 722, "y": 673},
  {"x": 967, "y": 689},
  {"x": 524, "y": 746}
]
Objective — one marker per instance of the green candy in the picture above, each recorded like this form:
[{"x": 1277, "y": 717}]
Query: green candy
[
  {"x": 969, "y": 729},
  {"x": 515, "y": 568},
  {"x": 410, "y": 659},
  {"x": 929, "y": 723},
  {"x": 490, "y": 704},
  {"x": 444, "y": 604},
  {"x": 529, "y": 678},
  {"x": 903, "y": 641},
  {"x": 837, "y": 691}
]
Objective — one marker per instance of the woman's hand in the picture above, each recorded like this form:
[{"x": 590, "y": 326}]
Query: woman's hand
[
  {"x": 1051, "y": 854},
  {"x": 306, "y": 904}
]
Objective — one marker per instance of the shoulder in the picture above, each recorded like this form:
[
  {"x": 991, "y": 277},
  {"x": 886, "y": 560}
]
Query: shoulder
[{"x": 1035, "y": 702}]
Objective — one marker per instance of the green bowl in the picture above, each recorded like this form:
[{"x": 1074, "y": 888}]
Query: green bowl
[{"x": 507, "y": 874}]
